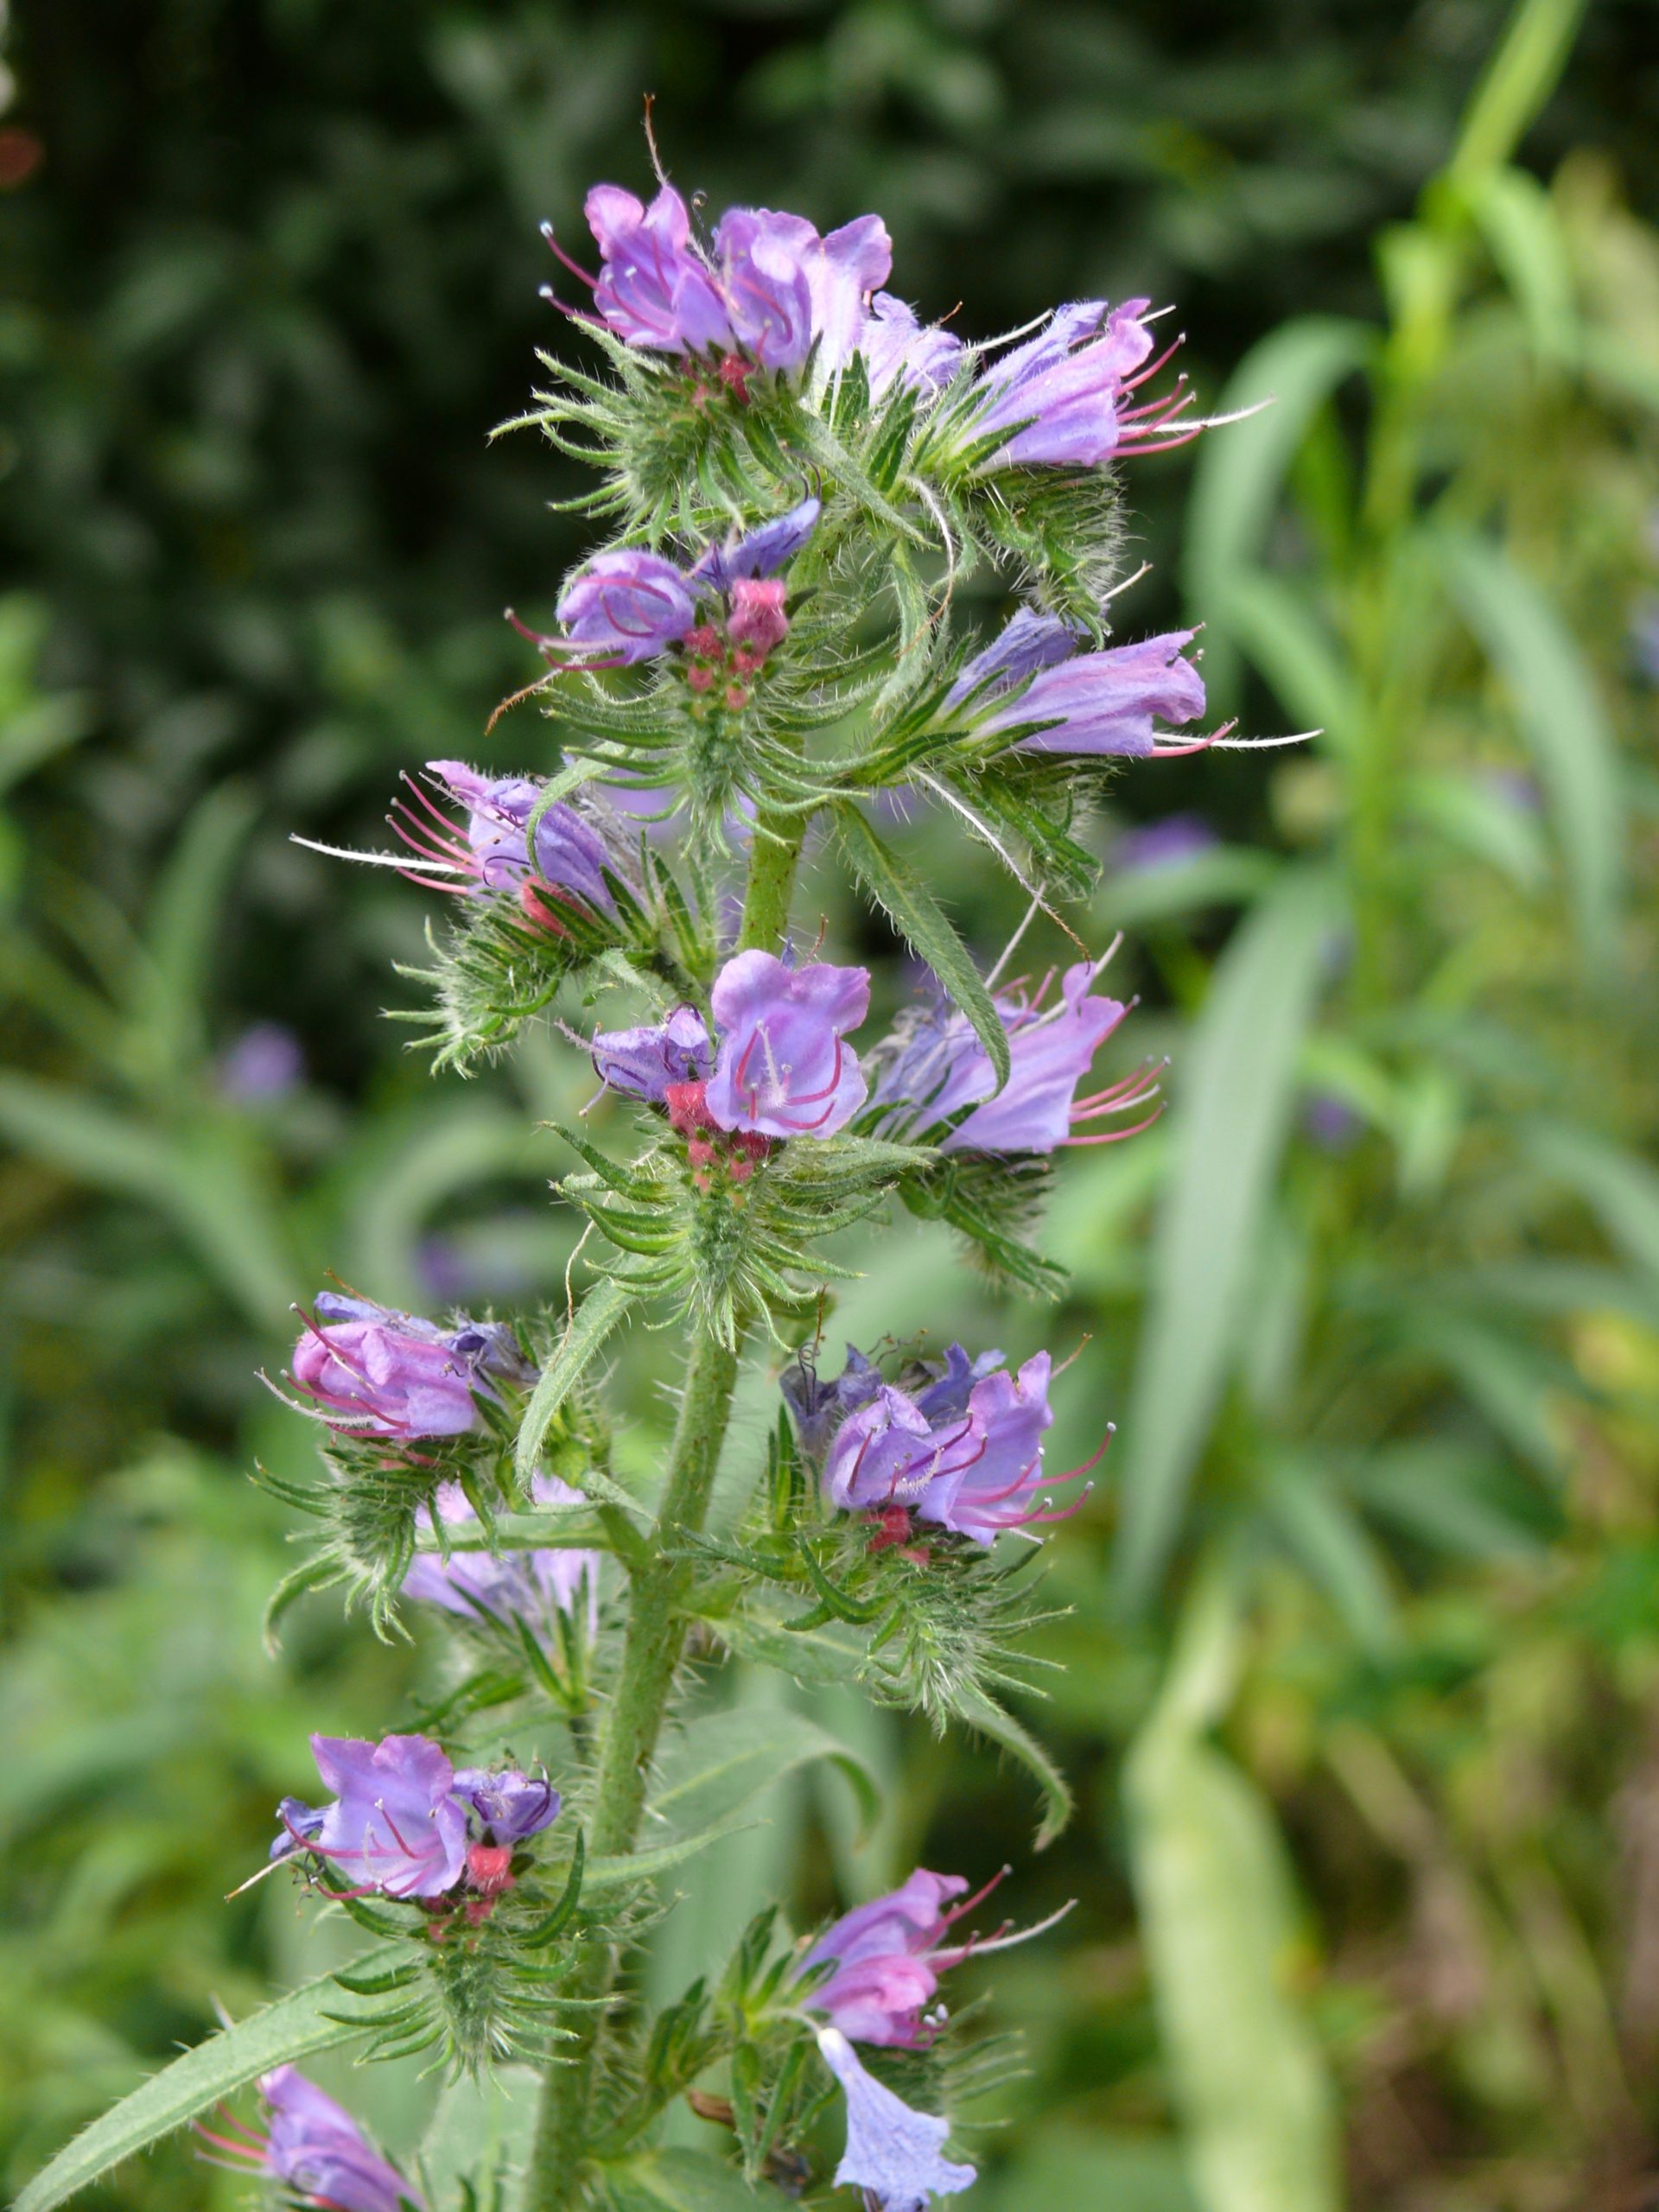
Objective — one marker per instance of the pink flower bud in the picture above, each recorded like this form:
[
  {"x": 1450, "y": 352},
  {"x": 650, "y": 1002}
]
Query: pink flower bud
[{"x": 757, "y": 617}]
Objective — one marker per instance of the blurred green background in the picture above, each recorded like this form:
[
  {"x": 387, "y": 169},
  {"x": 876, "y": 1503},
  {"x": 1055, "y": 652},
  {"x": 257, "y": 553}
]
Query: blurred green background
[{"x": 1361, "y": 1705}]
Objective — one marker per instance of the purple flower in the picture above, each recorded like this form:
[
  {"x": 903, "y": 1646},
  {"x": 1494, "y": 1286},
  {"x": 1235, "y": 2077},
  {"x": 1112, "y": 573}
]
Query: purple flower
[
  {"x": 643, "y": 1063},
  {"x": 510, "y": 1805},
  {"x": 372, "y": 1368},
  {"x": 1030, "y": 642},
  {"x": 759, "y": 552},
  {"x": 932, "y": 1065},
  {"x": 265, "y": 1064},
  {"x": 1104, "y": 702},
  {"x": 965, "y": 1452},
  {"x": 884, "y": 1955},
  {"x": 530, "y": 1586},
  {"x": 1060, "y": 394},
  {"x": 1163, "y": 845},
  {"x": 654, "y": 289},
  {"x": 494, "y": 853},
  {"x": 782, "y": 1070},
  {"x": 318, "y": 2151},
  {"x": 627, "y": 606},
  {"x": 897, "y": 348},
  {"x": 785, "y": 287},
  {"x": 396, "y": 1824},
  {"x": 893, "y": 2153},
  {"x": 816, "y": 1407}
]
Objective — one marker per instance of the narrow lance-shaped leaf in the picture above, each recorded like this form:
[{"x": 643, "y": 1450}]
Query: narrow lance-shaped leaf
[
  {"x": 593, "y": 1321},
  {"x": 918, "y": 916},
  {"x": 1236, "y": 1091},
  {"x": 305, "y": 2020}
]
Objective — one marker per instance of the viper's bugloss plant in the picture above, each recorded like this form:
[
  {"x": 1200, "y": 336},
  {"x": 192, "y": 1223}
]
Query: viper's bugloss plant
[{"x": 798, "y": 474}]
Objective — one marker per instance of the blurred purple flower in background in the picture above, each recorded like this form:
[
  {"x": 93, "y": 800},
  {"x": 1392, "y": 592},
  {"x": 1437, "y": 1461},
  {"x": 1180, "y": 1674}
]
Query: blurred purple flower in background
[
  {"x": 1177, "y": 838},
  {"x": 264, "y": 1065},
  {"x": 520, "y": 1586}
]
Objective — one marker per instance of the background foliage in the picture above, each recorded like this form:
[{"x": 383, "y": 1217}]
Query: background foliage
[{"x": 1363, "y": 1686}]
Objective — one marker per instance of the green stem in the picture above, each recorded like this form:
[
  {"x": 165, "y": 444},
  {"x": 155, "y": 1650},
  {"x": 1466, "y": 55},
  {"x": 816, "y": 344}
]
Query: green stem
[
  {"x": 773, "y": 858},
  {"x": 634, "y": 1721}
]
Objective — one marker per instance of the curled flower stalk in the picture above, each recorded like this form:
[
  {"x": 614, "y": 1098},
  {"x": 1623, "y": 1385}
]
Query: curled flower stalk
[{"x": 765, "y": 660}]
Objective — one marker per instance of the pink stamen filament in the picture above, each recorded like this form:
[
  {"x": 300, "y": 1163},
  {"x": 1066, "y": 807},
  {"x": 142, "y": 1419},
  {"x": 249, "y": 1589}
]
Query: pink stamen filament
[
  {"x": 560, "y": 256},
  {"x": 1113, "y": 1136},
  {"x": 1145, "y": 375}
]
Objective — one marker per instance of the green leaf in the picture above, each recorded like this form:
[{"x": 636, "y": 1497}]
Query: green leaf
[
  {"x": 615, "y": 1874},
  {"x": 1558, "y": 709},
  {"x": 481, "y": 2133},
  {"x": 918, "y": 916},
  {"x": 593, "y": 1321},
  {"x": 988, "y": 1719},
  {"x": 721, "y": 1760},
  {"x": 1621, "y": 1189},
  {"x": 685, "y": 2181},
  {"x": 1523, "y": 234},
  {"x": 1240, "y": 478},
  {"x": 1217, "y": 1917},
  {"x": 1237, "y": 1091},
  {"x": 291, "y": 2028},
  {"x": 1517, "y": 82},
  {"x": 183, "y": 931},
  {"x": 1336, "y": 1552}
]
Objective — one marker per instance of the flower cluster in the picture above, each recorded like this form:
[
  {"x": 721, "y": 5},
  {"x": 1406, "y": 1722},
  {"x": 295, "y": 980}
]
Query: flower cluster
[
  {"x": 405, "y": 1823},
  {"x": 316, "y": 2150},
  {"x": 961, "y": 1448},
  {"x": 369, "y": 1369}
]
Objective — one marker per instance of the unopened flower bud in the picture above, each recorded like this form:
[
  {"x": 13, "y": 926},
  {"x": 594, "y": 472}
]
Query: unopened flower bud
[
  {"x": 489, "y": 1868},
  {"x": 757, "y": 617},
  {"x": 687, "y": 1109}
]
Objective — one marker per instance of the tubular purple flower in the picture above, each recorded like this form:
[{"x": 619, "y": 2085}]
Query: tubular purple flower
[
  {"x": 881, "y": 1951},
  {"x": 374, "y": 1370},
  {"x": 894, "y": 2153},
  {"x": 510, "y": 1805},
  {"x": 654, "y": 289},
  {"x": 1060, "y": 393},
  {"x": 760, "y": 552},
  {"x": 627, "y": 606},
  {"x": 898, "y": 349},
  {"x": 1030, "y": 642},
  {"x": 1105, "y": 702},
  {"x": 494, "y": 853},
  {"x": 816, "y": 1407},
  {"x": 785, "y": 287},
  {"x": 317, "y": 2150},
  {"x": 643, "y": 1063},
  {"x": 994, "y": 1487},
  {"x": 783, "y": 1069},
  {"x": 529, "y": 1586},
  {"x": 396, "y": 1824},
  {"x": 932, "y": 1065}
]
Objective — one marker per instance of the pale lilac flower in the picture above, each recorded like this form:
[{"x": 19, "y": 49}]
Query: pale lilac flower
[
  {"x": 1105, "y": 702},
  {"x": 627, "y": 606},
  {"x": 893, "y": 2153},
  {"x": 1061, "y": 395},
  {"x": 654, "y": 288},
  {"x": 317, "y": 2150},
  {"x": 643, "y": 1063},
  {"x": 396, "y": 1824},
  {"x": 511, "y": 1806},
  {"x": 898, "y": 348},
  {"x": 371, "y": 1368},
  {"x": 932, "y": 1065},
  {"x": 783, "y": 1069},
  {"x": 530, "y": 1586},
  {"x": 785, "y": 287}
]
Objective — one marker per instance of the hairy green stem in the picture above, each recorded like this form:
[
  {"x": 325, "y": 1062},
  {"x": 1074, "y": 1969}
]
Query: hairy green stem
[
  {"x": 656, "y": 1629},
  {"x": 634, "y": 1721}
]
